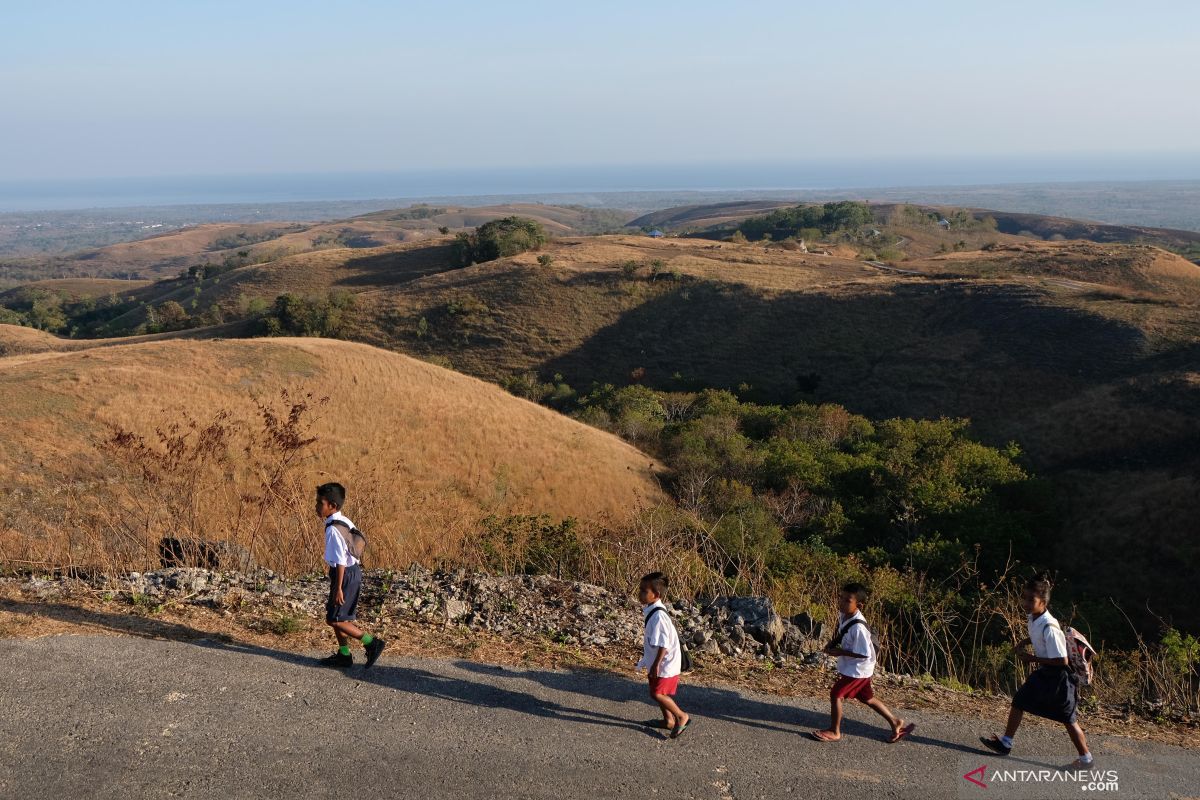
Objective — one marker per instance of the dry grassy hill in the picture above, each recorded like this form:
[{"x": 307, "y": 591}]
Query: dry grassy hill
[
  {"x": 168, "y": 254},
  {"x": 700, "y": 217},
  {"x": 1088, "y": 354},
  {"x": 430, "y": 451}
]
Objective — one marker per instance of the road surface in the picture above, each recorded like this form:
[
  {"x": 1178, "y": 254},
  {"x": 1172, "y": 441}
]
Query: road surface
[{"x": 124, "y": 717}]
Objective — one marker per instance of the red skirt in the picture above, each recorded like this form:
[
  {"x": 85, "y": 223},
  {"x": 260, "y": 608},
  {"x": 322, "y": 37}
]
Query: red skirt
[{"x": 852, "y": 688}]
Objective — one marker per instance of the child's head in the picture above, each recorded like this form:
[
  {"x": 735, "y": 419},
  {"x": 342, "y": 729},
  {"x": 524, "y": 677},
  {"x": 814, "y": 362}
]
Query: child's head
[
  {"x": 652, "y": 587},
  {"x": 330, "y": 498},
  {"x": 851, "y": 598},
  {"x": 1036, "y": 594}
]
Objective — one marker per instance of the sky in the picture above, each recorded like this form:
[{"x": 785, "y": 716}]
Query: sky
[{"x": 118, "y": 88}]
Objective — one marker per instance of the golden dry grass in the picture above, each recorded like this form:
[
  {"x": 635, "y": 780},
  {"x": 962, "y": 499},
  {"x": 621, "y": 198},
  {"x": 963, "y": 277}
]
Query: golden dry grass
[
  {"x": 168, "y": 254},
  {"x": 80, "y": 287},
  {"x": 438, "y": 450}
]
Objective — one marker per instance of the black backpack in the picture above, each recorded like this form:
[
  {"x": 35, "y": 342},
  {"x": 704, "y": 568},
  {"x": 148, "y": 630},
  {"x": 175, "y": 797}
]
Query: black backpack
[
  {"x": 356, "y": 540},
  {"x": 685, "y": 658}
]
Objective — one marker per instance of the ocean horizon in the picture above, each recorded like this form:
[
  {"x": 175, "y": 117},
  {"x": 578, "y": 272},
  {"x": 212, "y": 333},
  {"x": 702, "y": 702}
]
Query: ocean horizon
[{"x": 92, "y": 193}]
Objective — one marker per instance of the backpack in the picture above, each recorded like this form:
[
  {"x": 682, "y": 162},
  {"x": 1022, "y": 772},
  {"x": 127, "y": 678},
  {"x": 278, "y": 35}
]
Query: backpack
[
  {"x": 356, "y": 540},
  {"x": 685, "y": 658},
  {"x": 1079, "y": 656}
]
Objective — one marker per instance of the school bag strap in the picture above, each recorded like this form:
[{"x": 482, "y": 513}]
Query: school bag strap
[
  {"x": 836, "y": 641},
  {"x": 685, "y": 657}
]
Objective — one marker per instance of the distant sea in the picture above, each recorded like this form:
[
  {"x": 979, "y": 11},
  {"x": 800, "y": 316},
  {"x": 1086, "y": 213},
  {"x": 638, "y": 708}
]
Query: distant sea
[{"x": 94, "y": 193}]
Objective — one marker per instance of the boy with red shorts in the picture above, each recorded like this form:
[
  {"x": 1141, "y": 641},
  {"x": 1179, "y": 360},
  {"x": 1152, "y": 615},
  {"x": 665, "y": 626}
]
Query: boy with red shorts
[
  {"x": 662, "y": 657},
  {"x": 855, "y": 653}
]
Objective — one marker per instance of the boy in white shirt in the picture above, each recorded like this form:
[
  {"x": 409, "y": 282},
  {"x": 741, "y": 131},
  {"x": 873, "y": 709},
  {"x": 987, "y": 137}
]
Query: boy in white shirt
[
  {"x": 345, "y": 580},
  {"x": 1050, "y": 690},
  {"x": 855, "y": 653},
  {"x": 661, "y": 655}
]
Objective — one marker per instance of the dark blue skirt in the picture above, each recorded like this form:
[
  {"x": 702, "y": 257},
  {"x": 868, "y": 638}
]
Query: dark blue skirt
[{"x": 1049, "y": 692}]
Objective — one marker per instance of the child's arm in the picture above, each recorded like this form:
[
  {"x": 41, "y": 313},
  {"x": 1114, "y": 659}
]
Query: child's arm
[
  {"x": 339, "y": 596},
  {"x": 658, "y": 659},
  {"x": 838, "y": 651},
  {"x": 1030, "y": 658}
]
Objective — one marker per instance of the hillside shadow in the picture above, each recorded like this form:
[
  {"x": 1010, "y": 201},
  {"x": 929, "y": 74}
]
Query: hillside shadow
[
  {"x": 395, "y": 269},
  {"x": 921, "y": 349}
]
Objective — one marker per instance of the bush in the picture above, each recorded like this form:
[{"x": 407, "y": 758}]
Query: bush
[
  {"x": 293, "y": 315},
  {"x": 499, "y": 238},
  {"x": 827, "y": 218}
]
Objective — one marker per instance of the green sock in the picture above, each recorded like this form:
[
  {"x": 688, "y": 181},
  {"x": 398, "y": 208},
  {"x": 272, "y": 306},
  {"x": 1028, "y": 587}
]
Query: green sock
[
  {"x": 344, "y": 649},
  {"x": 367, "y": 639}
]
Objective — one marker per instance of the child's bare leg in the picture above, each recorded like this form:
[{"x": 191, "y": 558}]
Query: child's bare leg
[
  {"x": 673, "y": 715},
  {"x": 668, "y": 717},
  {"x": 1014, "y": 721},
  {"x": 834, "y": 731},
  {"x": 341, "y": 637},
  {"x": 347, "y": 630},
  {"x": 879, "y": 708},
  {"x": 1077, "y": 738}
]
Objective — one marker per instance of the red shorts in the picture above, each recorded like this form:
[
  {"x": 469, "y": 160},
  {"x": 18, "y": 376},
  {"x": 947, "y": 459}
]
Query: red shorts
[
  {"x": 666, "y": 686},
  {"x": 852, "y": 688}
]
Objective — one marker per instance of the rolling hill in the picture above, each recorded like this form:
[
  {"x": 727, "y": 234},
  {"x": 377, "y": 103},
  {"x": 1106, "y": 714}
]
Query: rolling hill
[
  {"x": 429, "y": 451},
  {"x": 1086, "y": 353},
  {"x": 166, "y": 255}
]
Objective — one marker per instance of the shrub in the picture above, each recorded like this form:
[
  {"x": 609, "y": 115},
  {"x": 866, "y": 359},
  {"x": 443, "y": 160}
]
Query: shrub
[
  {"x": 293, "y": 315},
  {"x": 499, "y": 238}
]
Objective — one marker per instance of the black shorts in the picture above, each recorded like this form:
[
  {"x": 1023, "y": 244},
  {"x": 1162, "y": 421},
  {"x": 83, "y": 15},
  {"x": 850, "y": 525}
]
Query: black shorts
[
  {"x": 351, "y": 583},
  {"x": 1049, "y": 692}
]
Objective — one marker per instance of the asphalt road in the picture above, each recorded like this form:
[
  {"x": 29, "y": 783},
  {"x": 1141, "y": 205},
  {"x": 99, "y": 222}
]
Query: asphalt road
[{"x": 122, "y": 717}]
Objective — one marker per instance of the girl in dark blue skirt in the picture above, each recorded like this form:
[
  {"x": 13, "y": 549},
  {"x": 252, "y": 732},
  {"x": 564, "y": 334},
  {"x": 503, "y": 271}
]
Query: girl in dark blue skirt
[{"x": 1050, "y": 691}]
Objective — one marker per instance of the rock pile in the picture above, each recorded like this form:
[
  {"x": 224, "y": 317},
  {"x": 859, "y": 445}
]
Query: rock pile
[{"x": 566, "y": 612}]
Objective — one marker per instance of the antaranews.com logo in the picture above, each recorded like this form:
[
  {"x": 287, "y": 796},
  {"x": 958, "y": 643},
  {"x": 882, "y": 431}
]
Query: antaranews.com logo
[{"x": 1084, "y": 780}]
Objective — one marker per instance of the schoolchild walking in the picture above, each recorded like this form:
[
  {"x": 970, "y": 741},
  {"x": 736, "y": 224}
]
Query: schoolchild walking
[
  {"x": 1050, "y": 690},
  {"x": 662, "y": 655},
  {"x": 345, "y": 579},
  {"x": 855, "y": 651}
]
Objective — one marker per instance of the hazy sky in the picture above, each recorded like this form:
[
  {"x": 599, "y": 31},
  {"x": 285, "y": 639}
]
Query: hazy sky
[{"x": 210, "y": 87}]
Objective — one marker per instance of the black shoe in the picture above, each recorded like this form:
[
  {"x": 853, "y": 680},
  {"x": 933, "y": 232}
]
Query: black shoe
[
  {"x": 337, "y": 660},
  {"x": 995, "y": 745},
  {"x": 374, "y": 649}
]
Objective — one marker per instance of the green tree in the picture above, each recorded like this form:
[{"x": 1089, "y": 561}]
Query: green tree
[{"x": 500, "y": 238}]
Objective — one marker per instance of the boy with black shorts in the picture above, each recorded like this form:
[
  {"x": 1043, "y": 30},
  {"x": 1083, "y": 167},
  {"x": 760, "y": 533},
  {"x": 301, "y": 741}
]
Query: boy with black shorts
[{"x": 345, "y": 580}]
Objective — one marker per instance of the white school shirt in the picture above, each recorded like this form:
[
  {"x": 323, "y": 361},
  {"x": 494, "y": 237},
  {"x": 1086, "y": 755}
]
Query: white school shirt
[
  {"x": 856, "y": 640},
  {"x": 336, "y": 552},
  {"x": 1047, "y": 636},
  {"x": 660, "y": 632}
]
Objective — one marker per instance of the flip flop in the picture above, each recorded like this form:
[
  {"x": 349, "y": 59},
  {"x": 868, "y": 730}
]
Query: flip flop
[
  {"x": 818, "y": 736},
  {"x": 900, "y": 734},
  {"x": 679, "y": 729}
]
